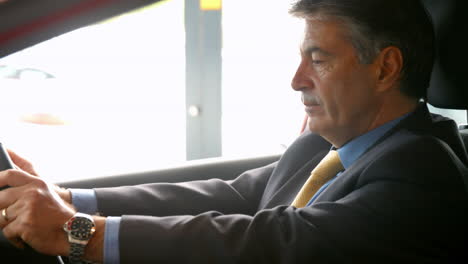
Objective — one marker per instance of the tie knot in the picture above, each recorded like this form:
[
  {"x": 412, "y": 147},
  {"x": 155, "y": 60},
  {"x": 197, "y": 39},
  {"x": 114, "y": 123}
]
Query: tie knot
[
  {"x": 330, "y": 164},
  {"x": 328, "y": 167}
]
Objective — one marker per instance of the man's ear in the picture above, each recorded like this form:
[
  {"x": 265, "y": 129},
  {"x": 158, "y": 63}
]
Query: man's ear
[{"x": 389, "y": 64}]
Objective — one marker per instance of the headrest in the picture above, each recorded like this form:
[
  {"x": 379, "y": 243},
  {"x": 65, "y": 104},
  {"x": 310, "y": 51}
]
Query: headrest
[{"x": 449, "y": 81}]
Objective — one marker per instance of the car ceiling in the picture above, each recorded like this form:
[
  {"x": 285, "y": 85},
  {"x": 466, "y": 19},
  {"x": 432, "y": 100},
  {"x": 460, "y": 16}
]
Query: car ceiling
[{"x": 24, "y": 23}]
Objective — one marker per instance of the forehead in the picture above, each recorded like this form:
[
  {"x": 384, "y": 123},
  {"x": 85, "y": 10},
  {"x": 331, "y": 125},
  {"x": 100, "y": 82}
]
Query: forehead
[{"x": 325, "y": 34}]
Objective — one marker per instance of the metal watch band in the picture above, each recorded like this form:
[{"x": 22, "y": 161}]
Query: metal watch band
[
  {"x": 76, "y": 254},
  {"x": 80, "y": 228}
]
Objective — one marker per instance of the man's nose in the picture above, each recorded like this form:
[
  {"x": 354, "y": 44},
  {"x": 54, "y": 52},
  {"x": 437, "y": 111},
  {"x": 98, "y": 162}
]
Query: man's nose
[{"x": 298, "y": 82}]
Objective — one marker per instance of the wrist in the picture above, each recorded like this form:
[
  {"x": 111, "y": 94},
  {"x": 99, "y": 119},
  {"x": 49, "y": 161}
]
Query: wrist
[
  {"x": 94, "y": 251},
  {"x": 85, "y": 234}
]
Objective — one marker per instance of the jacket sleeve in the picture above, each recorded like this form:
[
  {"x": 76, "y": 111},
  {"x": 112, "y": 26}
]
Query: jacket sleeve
[
  {"x": 402, "y": 210},
  {"x": 241, "y": 195}
]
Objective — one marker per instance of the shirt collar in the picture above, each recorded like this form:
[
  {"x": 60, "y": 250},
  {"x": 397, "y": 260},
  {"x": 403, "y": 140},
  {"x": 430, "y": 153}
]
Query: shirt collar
[{"x": 352, "y": 150}]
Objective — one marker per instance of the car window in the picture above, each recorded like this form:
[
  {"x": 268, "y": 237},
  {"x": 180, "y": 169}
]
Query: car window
[
  {"x": 458, "y": 115},
  {"x": 101, "y": 100},
  {"x": 110, "y": 98}
]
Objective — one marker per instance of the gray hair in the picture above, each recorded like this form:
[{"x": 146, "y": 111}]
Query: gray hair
[{"x": 372, "y": 25}]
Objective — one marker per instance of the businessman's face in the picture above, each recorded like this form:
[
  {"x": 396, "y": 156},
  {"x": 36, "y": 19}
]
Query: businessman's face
[{"x": 337, "y": 90}]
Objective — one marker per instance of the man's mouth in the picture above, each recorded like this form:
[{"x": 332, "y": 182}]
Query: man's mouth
[
  {"x": 312, "y": 104},
  {"x": 310, "y": 100}
]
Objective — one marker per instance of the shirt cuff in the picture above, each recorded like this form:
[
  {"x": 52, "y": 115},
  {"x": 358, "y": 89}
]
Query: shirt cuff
[
  {"x": 111, "y": 240},
  {"x": 84, "y": 200}
]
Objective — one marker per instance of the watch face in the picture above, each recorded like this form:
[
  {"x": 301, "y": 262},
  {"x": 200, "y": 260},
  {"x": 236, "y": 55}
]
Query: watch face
[{"x": 81, "y": 228}]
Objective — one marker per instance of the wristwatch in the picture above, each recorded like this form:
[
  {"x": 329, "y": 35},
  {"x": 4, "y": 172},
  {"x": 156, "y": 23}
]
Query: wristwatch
[{"x": 80, "y": 228}]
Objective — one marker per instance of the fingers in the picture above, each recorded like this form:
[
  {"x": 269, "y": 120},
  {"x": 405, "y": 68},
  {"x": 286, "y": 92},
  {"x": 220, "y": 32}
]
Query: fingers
[
  {"x": 8, "y": 216},
  {"x": 11, "y": 234},
  {"x": 15, "y": 178},
  {"x": 20, "y": 183},
  {"x": 4, "y": 218},
  {"x": 22, "y": 163},
  {"x": 34, "y": 213},
  {"x": 11, "y": 231},
  {"x": 11, "y": 195},
  {"x": 10, "y": 208},
  {"x": 37, "y": 218}
]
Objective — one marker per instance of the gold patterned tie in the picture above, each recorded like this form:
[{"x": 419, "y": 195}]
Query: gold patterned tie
[{"x": 328, "y": 167}]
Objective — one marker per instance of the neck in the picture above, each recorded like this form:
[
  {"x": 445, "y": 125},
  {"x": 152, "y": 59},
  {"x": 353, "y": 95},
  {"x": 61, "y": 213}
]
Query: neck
[
  {"x": 387, "y": 110},
  {"x": 391, "y": 110}
]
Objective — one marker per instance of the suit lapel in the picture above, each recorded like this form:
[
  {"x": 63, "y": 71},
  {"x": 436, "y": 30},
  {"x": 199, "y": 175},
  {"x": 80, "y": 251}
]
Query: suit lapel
[
  {"x": 293, "y": 169},
  {"x": 287, "y": 191}
]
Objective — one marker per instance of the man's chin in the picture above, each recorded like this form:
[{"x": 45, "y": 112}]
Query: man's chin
[{"x": 315, "y": 125}]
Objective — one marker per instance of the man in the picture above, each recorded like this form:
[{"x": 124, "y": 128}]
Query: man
[{"x": 399, "y": 197}]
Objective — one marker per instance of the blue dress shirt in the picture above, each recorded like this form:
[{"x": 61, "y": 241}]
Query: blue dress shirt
[
  {"x": 85, "y": 200},
  {"x": 352, "y": 150}
]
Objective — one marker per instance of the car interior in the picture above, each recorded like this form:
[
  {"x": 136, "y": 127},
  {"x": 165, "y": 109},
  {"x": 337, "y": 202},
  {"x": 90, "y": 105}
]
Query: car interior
[{"x": 25, "y": 23}]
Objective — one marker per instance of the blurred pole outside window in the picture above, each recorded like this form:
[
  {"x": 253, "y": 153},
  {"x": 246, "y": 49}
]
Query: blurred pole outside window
[
  {"x": 262, "y": 114},
  {"x": 114, "y": 102}
]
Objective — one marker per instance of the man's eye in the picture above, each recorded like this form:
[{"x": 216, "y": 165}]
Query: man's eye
[{"x": 317, "y": 62}]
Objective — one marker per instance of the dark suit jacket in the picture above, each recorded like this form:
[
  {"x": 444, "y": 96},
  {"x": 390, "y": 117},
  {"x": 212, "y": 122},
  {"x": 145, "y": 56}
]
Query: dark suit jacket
[{"x": 403, "y": 201}]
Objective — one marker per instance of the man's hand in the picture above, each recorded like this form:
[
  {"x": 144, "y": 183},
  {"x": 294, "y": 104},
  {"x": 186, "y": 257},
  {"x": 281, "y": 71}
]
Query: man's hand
[
  {"x": 35, "y": 212},
  {"x": 26, "y": 166},
  {"x": 22, "y": 163}
]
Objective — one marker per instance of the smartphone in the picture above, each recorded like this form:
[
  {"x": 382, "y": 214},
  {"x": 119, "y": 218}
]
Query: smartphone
[{"x": 5, "y": 162}]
